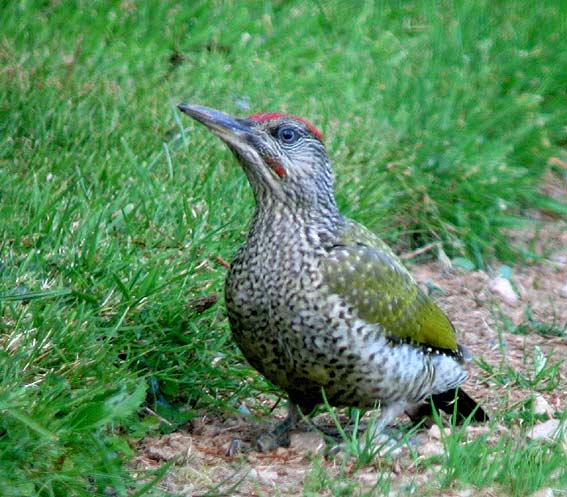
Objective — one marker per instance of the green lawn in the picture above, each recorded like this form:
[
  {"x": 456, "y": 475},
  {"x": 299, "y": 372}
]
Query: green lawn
[{"x": 114, "y": 209}]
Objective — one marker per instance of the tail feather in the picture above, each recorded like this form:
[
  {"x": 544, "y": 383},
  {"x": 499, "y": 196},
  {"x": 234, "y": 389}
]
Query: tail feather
[{"x": 455, "y": 402}]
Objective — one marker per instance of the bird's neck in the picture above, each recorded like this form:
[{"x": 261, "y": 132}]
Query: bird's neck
[{"x": 318, "y": 222}]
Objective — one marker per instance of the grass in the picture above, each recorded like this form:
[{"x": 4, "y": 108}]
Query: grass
[
  {"x": 113, "y": 215},
  {"x": 499, "y": 463},
  {"x": 512, "y": 464}
]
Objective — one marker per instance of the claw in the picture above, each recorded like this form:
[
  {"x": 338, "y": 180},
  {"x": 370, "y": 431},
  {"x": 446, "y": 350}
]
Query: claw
[
  {"x": 234, "y": 448},
  {"x": 268, "y": 442},
  {"x": 279, "y": 436}
]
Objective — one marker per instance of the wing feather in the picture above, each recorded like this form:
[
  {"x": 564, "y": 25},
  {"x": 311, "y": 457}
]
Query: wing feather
[{"x": 364, "y": 271}]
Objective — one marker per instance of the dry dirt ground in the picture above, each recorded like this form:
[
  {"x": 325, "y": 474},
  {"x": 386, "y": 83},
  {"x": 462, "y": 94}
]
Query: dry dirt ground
[{"x": 476, "y": 302}]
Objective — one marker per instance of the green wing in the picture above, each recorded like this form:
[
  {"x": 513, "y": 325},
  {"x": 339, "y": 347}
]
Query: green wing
[{"x": 365, "y": 272}]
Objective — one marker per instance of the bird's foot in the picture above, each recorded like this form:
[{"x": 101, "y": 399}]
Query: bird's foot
[
  {"x": 278, "y": 437},
  {"x": 268, "y": 442},
  {"x": 235, "y": 447}
]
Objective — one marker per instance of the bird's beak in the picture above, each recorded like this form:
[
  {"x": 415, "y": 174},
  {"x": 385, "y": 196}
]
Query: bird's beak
[
  {"x": 243, "y": 139},
  {"x": 230, "y": 129}
]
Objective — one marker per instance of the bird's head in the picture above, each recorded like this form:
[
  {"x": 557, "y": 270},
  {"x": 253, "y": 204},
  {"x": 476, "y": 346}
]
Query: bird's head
[{"x": 282, "y": 155}]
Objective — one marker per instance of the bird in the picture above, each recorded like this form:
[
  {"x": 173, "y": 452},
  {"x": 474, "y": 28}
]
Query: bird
[{"x": 319, "y": 304}]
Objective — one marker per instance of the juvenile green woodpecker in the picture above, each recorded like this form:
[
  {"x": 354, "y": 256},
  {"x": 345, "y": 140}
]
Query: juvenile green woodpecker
[{"x": 316, "y": 301}]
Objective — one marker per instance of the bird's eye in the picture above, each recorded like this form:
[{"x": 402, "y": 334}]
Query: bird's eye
[{"x": 288, "y": 135}]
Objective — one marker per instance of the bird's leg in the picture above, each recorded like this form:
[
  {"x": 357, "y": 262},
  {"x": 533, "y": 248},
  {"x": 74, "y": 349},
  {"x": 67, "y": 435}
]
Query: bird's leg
[
  {"x": 279, "y": 436},
  {"x": 380, "y": 434}
]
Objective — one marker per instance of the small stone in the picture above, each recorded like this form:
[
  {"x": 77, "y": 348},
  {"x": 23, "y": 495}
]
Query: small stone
[
  {"x": 467, "y": 492},
  {"x": 308, "y": 442},
  {"x": 474, "y": 431},
  {"x": 367, "y": 477},
  {"x": 268, "y": 475},
  {"x": 244, "y": 39},
  {"x": 431, "y": 448},
  {"x": 545, "y": 430},
  {"x": 544, "y": 492},
  {"x": 435, "y": 432},
  {"x": 541, "y": 406},
  {"x": 503, "y": 288}
]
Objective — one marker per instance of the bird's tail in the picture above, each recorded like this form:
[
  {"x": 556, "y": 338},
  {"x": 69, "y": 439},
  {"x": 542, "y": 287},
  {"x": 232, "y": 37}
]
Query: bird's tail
[{"x": 455, "y": 402}]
